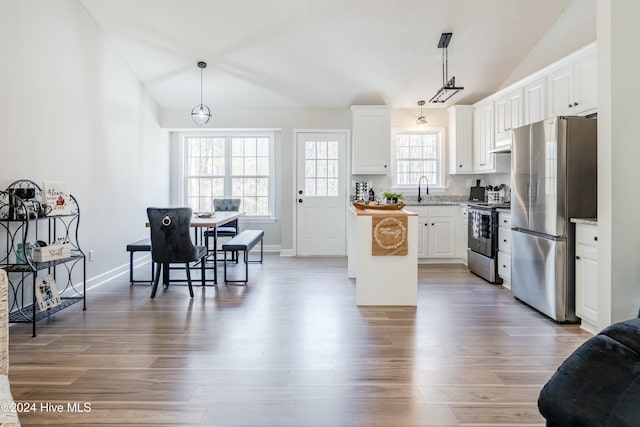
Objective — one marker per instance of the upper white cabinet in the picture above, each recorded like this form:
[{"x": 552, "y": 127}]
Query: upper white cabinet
[
  {"x": 371, "y": 139},
  {"x": 566, "y": 87},
  {"x": 460, "y": 139},
  {"x": 535, "y": 101},
  {"x": 509, "y": 114},
  {"x": 573, "y": 87},
  {"x": 483, "y": 137}
]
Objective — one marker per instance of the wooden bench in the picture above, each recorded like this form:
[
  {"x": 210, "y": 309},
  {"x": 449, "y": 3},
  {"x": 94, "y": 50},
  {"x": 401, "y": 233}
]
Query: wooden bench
[
  {"x": 243, "y": 242},
  {"x": 143, "y": 245}
]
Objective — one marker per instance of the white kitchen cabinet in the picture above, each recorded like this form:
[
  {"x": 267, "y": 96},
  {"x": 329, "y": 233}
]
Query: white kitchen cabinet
[
  {"x": 436, "y": 231},
  {"x": 573, "y": 87},
  {"x": 371, "y": 146},
  {"x": 460, "y": 139},
  {"x": 587, "y": 276},
  {"x": 504, "y": 247},
  {"x": 509, "y": 114},
  {"x": 483, "y": 137},
  {"x": 535, "y": 101},
  {"x": 483, "y": 142},
  {"x": 463, "y": 237}
]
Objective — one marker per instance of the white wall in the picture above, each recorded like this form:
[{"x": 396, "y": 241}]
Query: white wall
[
  {"x": 574, "y": 28},
  {"x": 618, "y": 154},
  {"x": 72, "y": 110},
  {"x": 281, "y": 232}
]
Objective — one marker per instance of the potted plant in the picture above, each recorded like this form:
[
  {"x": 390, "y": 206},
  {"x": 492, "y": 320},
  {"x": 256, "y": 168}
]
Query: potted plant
[
  {"x": 388, "y": 197},
  {"x": 392, "y": 198}
]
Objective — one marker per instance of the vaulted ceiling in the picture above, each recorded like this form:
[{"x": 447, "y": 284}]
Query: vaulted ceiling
[{"x": 329, "y": 53}]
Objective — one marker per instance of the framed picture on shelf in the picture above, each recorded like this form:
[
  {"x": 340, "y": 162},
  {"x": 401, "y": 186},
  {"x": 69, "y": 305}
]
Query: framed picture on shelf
[
  {"x": 47, "y": 292},
  {"x": 57, "y": 197}
]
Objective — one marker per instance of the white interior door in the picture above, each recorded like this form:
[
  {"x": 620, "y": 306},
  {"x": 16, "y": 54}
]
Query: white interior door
[{"x": 321, "y": 194}]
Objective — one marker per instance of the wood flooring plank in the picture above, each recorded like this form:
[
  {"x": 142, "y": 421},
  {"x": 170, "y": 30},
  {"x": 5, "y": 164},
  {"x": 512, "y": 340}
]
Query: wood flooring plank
[{"x": 292, "y": 349}]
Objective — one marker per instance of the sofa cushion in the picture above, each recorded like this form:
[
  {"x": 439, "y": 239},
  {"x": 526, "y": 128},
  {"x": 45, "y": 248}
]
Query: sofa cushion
[{"x": 599, "y": 384}]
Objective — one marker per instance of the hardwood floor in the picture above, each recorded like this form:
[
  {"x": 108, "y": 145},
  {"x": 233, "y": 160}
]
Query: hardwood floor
[{"x": 291, "y": 349}]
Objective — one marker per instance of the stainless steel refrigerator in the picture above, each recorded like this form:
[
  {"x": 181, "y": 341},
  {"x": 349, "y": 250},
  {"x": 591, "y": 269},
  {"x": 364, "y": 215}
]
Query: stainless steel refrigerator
[{"x": 553, "y": 179}]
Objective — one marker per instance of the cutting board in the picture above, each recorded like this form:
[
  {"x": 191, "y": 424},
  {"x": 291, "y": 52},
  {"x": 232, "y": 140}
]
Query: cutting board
[{"x": 477, "y": 193}]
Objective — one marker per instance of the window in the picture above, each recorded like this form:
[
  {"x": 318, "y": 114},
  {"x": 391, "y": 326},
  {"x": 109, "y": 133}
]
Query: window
[
  {"x": 418, "y": 153},
  {"x": 234, "y": 165},
  {"x": 321, "y": 168}
]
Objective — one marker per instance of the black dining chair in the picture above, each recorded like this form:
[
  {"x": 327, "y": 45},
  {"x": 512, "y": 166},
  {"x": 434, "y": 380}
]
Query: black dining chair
[
  {"x": 228, "y": 230},
  {"x": 171, "y": 243}
]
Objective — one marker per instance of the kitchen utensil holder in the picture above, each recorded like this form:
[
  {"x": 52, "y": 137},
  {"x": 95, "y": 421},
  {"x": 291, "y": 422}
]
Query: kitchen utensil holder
[{"x": 493, "y": 197}]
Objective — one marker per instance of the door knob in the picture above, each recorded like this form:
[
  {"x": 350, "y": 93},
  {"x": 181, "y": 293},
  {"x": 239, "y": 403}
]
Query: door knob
[
  {"x": 299, "y": 191},
  {"x": 299, "y": 200}
]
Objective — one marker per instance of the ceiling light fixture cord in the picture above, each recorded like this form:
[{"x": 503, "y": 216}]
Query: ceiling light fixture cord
[
  {"x": 445, "y": 69},
  {"x": 201, "y": 86},
  {"x": 449, "y": 87},
  {"x": 421, "y": 119}
]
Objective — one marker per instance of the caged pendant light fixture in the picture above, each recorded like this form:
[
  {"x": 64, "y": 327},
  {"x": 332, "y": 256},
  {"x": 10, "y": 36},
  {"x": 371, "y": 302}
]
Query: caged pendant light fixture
[
  {"x": 449, "y": 87},
  {"x": 421, "y": 121},
  {"x": 201, "y": 113}
]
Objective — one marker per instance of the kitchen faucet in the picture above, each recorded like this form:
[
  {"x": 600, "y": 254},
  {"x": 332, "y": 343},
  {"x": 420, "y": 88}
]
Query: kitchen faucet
[{"x": 419, "y": 181}]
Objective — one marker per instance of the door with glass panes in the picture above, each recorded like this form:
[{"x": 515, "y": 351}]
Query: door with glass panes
[{"x": 321, "y": 194}]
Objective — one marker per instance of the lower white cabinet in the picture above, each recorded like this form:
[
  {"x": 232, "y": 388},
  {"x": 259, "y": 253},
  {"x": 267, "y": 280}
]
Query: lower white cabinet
[
  {"x": 504, "y": 247},
  {"x": 463, "y": 233},
  {"x": 587, "y": 276},
  {"x": 436, "y": 231}
]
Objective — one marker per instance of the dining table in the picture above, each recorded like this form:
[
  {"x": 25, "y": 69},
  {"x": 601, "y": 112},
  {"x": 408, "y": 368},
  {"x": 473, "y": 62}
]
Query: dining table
[{"x": 200, "y": 224}]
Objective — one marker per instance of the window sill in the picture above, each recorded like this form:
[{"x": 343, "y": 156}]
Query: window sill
[{"x": 414, "y": 189}]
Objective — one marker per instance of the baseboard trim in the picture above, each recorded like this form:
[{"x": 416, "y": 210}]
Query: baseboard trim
[
  {"x": 116, "y": 272},
  {"x": 441, "y": 261},
  {"x": 286, "y": 252}
]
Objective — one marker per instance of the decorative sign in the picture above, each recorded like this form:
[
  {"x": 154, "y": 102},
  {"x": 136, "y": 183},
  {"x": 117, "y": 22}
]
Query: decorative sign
[
  {"x": 389, "y": 235},
  {"x": 56, "y": 196},
  {"x": 47, "y": 292}
]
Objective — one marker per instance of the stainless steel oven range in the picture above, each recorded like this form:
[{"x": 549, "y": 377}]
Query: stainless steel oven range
[{"x": 482, "y": 252}]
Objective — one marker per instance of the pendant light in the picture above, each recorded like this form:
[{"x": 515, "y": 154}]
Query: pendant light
[
  {"x": 201, "y": 113},
  {"x": 421, "y": 121},
  {"x": 449, "y": 87}
]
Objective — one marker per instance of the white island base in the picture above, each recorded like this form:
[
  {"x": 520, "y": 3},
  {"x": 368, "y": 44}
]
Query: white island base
[{"x": 382, "y": 280}]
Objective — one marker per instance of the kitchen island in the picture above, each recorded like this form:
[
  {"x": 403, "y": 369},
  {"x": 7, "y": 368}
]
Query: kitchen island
[{"x": 382, "y": 256}]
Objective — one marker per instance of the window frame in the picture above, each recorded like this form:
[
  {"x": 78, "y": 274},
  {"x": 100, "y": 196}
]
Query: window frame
[
  {"x": 228, "y": 136},
  {"x": 441, "y": 157}
]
